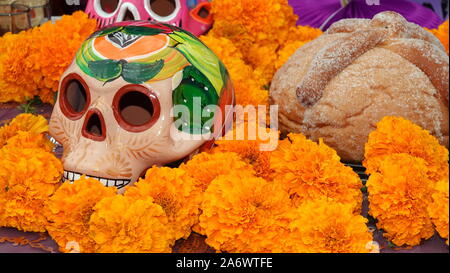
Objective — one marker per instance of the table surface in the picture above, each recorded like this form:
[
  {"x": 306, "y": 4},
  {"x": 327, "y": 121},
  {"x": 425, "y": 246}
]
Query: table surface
[{"x": 26, "y": 242}]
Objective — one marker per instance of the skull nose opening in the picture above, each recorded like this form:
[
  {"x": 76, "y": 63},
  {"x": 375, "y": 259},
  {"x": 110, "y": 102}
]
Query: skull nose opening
[
  {"x": 128, "y": 16},
  {"x": 94, "y": 126}
]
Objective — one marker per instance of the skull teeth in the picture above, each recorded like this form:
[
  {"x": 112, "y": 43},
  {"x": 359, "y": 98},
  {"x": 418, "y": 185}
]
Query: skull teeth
[
  {"x": 107, "y": 182},
  {"x": 53, "y": 140}
]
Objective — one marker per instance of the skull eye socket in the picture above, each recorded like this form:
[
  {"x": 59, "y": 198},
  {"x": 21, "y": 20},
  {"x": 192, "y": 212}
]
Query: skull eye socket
[
  {"x": 136, "y": 108},
  {"x": 161, "y": 9},
  {"x": 203, "y": 12},
  {"x": 108, "y": 6},
  {"x": 74, "y": 97}
]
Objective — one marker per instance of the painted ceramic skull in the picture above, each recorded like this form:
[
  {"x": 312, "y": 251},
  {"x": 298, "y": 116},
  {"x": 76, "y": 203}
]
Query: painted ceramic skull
[
  {"x": 191, "y": 15},
  {"x": 115, "y": 114}
]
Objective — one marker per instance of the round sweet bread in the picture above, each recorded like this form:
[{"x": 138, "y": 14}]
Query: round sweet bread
[{"x": 340, "y": 85}]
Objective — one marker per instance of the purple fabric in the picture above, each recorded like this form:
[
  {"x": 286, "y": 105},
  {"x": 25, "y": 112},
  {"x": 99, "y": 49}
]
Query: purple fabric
[
  {"x": 439, "y": 6},
  {"x": 322, "y": 14},
  {"x": 8, "y": 111},
  {"x": 47, "y": 245}
]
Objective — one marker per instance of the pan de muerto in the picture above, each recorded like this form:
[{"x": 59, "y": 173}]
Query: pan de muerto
[{"x": 340, "y": 85}]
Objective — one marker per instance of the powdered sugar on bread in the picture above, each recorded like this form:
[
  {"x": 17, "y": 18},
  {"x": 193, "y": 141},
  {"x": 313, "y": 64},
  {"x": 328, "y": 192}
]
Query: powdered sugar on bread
[{"x": 395, "y": 68}]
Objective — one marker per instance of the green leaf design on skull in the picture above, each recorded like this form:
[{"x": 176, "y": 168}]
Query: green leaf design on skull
[
  {"x": 142, "y": 31},
  {"x": 196, "y": 93},
  {"x": 136, "y": 73},
  {"x": 105, "y": 32},
  {"x": 105, "y": 70}
]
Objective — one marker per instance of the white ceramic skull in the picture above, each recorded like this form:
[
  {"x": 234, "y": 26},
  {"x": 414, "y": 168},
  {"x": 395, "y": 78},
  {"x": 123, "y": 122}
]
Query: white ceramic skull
[{"x": 114, "y": 111}]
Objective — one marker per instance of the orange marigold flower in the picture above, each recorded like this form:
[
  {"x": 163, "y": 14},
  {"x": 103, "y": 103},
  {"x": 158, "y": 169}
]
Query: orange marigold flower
[
  {"x": 442, "y": 34},
  {"x": 438, "y": 208},
  {"x": 175, "y": 192},
  {"x": 247, "y": 141},
  {"x": 309, "y": 171},
  {"x": 28, "y": 177},
  {"x": 299, "y": 36},
  {"x": 399, "y": 194},
  {"x": 122, "y": 224},
  {"x": 252, "y": 21},
  {"x": 205, "y": 167},
  {"x": 267, "y": 58},
  {"x": 30, "y": 122},
  {"x": 287, "y": 51},
  {"x": 27, "y": 140},
  {"x": 32, "y": 62},
  {"x": 16, "y": 79},
  {"x": 23, "y": 122},
  {"x": 244, "y": 213},
  {"x": 263, "y": 59},
  {"x": 228, "y": 53},
  {"x": 324, "y": 226},
  {"x": 69, "y": 210},
  {"x": 399, "y": 135},
  {"x": 247, "y": 87},
  {"x": 258, "y": 29}
]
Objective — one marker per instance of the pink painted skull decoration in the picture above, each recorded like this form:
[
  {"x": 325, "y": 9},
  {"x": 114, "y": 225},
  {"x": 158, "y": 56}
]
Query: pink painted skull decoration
[
  {"x": 139, "y": 94},
  {"x": 191, "y": 15}
]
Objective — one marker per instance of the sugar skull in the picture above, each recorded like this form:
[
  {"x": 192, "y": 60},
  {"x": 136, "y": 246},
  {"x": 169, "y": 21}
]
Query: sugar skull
[
  {"x": 139, "y": 94},
  {"x": 191, "y": 15}
]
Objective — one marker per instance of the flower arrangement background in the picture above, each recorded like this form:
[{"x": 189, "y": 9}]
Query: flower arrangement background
[
  {"x": 298, "y": 198},
  {"x": 32, "y": 62},
  {"x": 408, "y": 173},
  {"x": 252, "y": 37},
  {"x": 305, "y": 201}
]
